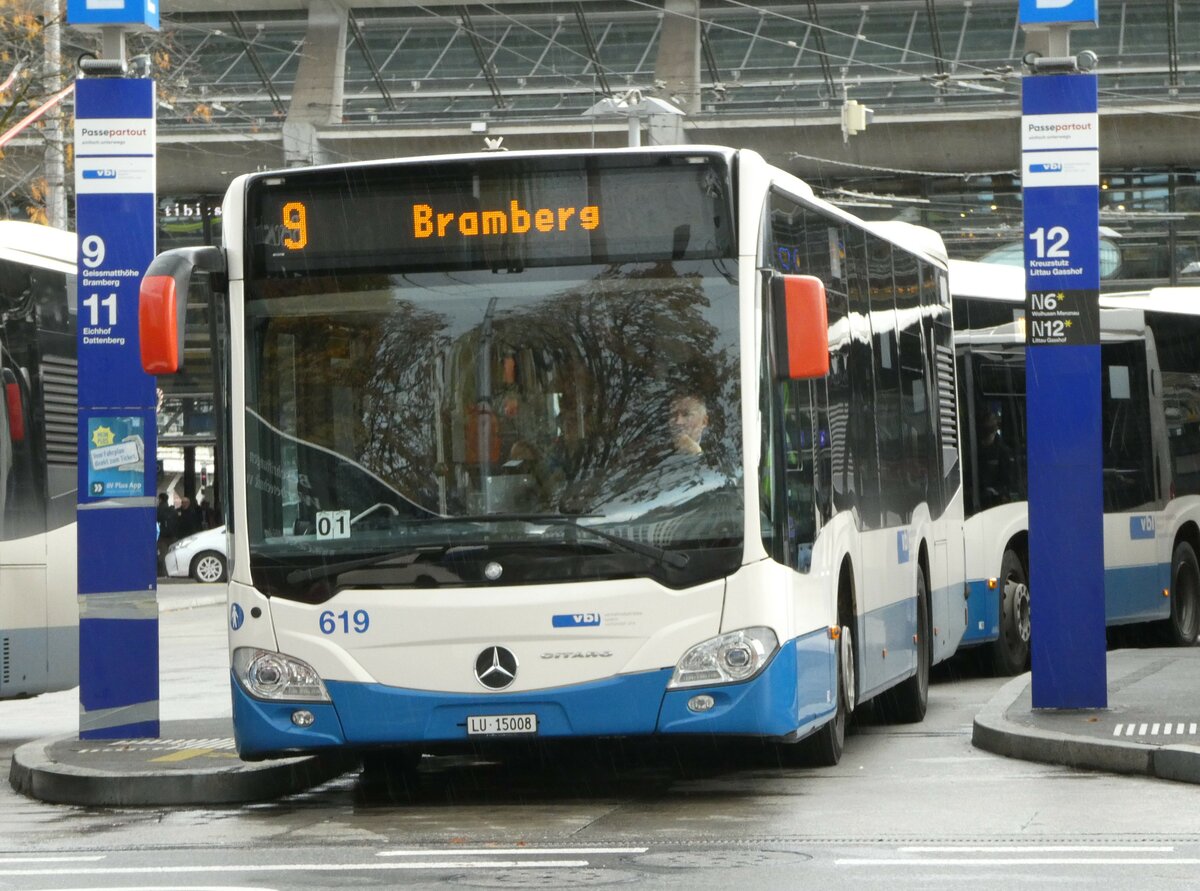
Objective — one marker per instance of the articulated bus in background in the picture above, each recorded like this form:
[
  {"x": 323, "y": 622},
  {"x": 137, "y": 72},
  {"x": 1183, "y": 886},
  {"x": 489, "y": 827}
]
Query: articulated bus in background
[
  {"x": 1150, "y": 369},
  {"x": 39, "y": 615},
  {"x": 575, "y": 444}
]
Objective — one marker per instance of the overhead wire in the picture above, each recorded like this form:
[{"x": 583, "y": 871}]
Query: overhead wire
[
  {"x": 886, "y": 70},
  {"x": 1163, "y": 106}
]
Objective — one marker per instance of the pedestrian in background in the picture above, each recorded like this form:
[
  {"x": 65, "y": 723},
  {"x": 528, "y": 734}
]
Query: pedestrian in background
[
  {"x": 191, "y": 520},
  {"x": 168, "y": 529}
]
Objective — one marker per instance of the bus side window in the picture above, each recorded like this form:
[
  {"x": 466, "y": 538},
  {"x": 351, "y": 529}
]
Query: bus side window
[
  {"x": 799, "y": 472},
  {"x": 1127, "y": 453}
]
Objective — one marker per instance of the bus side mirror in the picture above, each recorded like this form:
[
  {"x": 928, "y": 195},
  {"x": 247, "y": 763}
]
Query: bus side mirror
[
  {"x": 801, "y": 327},
  {"x": 162, "y": 304},
  {"x": 14, "y": 406}
]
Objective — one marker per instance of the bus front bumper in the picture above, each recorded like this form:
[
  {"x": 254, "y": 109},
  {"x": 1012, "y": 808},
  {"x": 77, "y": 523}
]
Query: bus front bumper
[{"x": 791, "y": 697}]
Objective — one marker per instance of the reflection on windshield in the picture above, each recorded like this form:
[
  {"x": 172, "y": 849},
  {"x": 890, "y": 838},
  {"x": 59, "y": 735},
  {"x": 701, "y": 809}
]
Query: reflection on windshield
[{"x": 375, "y": 401}]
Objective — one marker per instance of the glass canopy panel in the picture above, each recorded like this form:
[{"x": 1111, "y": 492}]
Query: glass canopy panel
[
  {"x": 541, "y": 47},
  {"x": 887, "y": 34},
  {"x": 1145, "y": 38}
]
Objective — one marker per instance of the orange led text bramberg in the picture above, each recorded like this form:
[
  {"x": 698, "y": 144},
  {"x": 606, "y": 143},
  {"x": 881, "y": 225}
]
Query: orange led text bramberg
[{"x": 428, "y": 223}]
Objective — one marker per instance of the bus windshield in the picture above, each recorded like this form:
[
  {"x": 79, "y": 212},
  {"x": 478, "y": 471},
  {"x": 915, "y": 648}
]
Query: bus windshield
[{"x": 467, "y": 426}]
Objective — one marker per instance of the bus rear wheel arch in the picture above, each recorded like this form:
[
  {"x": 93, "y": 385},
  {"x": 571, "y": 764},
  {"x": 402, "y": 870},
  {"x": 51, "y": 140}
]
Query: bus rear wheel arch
[
  {"x": 907, "y": 702},
  {"x": 824, "y": 747},
  {"x": 1183, "y": 626}
]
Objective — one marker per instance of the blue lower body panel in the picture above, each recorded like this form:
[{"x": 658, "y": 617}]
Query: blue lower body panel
[
  {"x": 1134, "y": 593},
  {"x": 983, "y": 613},
  {"x": 1131, "y": 594},
  {"x": 792, "y": 696},
  {"x": 621, "y": 706},
  {"x": 262, "y": 728}
]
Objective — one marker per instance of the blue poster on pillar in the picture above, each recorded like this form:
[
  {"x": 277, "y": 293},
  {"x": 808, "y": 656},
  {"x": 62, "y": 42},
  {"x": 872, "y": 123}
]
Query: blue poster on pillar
[{"x": 116, "y": 444}]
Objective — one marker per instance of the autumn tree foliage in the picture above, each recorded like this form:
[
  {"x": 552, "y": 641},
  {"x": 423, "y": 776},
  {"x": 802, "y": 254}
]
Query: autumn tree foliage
[{"x": 39, "y": 55}]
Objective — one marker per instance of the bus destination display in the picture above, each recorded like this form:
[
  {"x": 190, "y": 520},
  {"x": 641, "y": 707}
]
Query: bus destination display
[{"x": 498, "y": 214}]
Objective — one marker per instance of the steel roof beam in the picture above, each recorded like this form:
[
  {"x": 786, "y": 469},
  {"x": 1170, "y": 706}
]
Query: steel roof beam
[
  {"x": 256, "y": 62},
  {"x": 590, "y": 45},
  {"x": 369, "y": 58},
  {"x": 485, "y": 65}
]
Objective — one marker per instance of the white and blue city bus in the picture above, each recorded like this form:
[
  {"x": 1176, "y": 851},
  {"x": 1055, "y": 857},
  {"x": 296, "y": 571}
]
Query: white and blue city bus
[
  {"x": 574, "y": 444},
  {"x": 1150, "y": 363},
  {"x": 39, "y": 615}
]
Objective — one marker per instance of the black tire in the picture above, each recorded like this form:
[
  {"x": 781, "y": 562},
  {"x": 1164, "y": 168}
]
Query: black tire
[
  {"x": 1010, "y": 651},
  {"x": 208, "y": 567},
  {"x": 1183, "y": 627},
  {"x": 824, "y": 748},
  {"x": 907, "y": 701}
]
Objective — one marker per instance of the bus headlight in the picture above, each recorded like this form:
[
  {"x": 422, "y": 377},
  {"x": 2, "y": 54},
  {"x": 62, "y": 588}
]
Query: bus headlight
[
  {"x": 737, "y": 656},
  {"x": 268, "y": 675}
]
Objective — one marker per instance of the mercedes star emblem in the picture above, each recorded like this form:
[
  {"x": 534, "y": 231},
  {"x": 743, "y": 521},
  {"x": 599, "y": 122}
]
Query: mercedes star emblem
[{"x": 496, "y": 668}]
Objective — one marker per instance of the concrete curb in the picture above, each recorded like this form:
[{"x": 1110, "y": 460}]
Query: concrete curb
[
  {"x": 167, "y": 604},
  {"x": 36, "y": 773},
  {"x": 994, "y": 731},
  {"x": 1179, "y": 763}
]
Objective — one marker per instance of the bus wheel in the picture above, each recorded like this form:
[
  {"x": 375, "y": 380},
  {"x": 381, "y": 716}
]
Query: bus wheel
[
  {"x": 824, "y": 748},
  {"x": 906, "y": 702},
  {"x": 1010, "y": 651},
  {"x": 1183, "y": 627}
]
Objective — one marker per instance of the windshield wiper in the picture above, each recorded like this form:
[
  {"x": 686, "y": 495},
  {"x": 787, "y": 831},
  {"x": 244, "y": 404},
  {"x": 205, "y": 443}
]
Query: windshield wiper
[{"x": 662, "y": 555}]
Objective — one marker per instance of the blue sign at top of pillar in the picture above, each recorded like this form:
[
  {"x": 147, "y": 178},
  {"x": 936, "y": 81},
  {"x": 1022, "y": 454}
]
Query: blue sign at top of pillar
[
  {"x": 94, "y": 13},
  {"x": 1043, "y": 13},
  {"x": 1060, "y": 94}
]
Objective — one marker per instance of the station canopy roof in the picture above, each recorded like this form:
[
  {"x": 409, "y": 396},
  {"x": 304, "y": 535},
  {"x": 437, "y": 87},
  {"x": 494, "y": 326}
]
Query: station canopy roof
[{"x": 414, "y": 64}]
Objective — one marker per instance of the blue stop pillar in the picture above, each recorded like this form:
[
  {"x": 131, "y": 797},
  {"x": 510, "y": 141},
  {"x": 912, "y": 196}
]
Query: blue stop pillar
[
  {"x": 1060, "y": 182},
  {"x": 115, "y": 222}
]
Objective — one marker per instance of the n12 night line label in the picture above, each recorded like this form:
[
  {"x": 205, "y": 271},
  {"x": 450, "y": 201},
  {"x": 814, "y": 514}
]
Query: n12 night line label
[{"x": 1062, "y": 318}]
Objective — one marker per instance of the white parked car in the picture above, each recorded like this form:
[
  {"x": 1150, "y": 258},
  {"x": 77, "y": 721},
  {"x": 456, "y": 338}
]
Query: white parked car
[{"x": 203, "y": 556}]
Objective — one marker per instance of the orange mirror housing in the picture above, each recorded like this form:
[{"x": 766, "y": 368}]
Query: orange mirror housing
[
  {"x": 800, "y": 321},
  {"x": 162, "y": 304},
  {"x": 158, "y": 325}
]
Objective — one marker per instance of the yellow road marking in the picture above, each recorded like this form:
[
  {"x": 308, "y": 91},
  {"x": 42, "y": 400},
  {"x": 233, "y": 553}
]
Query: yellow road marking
[{"x": 187, "y": 754}]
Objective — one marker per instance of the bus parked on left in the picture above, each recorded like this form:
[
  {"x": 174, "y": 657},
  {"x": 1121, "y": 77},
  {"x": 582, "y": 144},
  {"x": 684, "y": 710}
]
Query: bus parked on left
[{"x": 39, "y": 615}]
